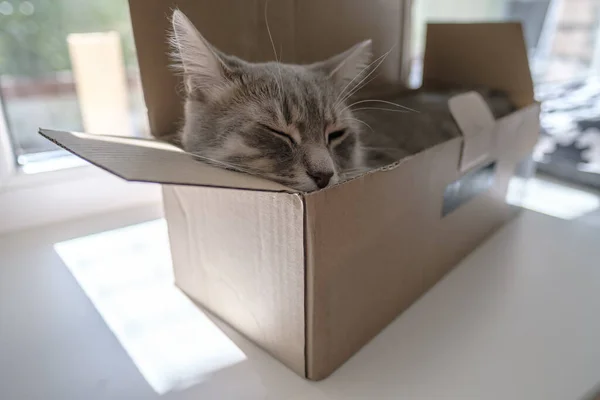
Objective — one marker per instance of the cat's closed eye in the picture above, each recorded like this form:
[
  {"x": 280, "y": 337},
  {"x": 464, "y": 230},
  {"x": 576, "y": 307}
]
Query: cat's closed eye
[
  {"x": 333, "y": 136},
  {"x": 279, "y": 133}
]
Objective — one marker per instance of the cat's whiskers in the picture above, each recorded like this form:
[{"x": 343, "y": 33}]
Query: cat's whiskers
[
  {"x": 341, "y": 95},
  {"x": 379, "y": 101},
  {"x": 379, "y": 108},
  {"x": 358, "y": 88},
  {"x": 224, "y": 164},
  {"x": 378, "y": 60},
  {"x": 358, "y": 120},
  {"x": 353, "y": 173},
  {"x": 378, "y": 148},
  {"x": 280, "y": 83}
]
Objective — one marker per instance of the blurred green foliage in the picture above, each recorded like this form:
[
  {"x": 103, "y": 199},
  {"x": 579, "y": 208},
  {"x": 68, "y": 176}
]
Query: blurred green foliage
[{"x": 33, "y": 33}]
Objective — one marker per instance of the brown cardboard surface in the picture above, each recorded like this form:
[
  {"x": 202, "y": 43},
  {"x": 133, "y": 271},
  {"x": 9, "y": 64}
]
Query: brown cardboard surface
[
  {"x": 378, "y": 243},
  {"x": 241, "y": 255},
  {"x": 238, "y": 27},
  {"x": 354, "y": 22},
  {"x": 476, "y": 122},
  {"x": 142, "y": 160},
  {"x": 516, "y": 132},
  {"x": 367, "y": 253},
  {"x": 488, "y": 54},
  {"x": 461, "y": 231}
]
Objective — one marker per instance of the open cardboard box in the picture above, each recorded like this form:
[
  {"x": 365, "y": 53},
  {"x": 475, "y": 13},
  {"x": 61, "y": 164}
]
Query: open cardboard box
[{"x": 312, "y": 277}]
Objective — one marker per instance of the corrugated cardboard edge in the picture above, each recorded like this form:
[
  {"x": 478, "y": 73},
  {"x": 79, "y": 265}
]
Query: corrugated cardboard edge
[
  {"x": 308, "y": 304},
  {"x": 151, "y": 161}
]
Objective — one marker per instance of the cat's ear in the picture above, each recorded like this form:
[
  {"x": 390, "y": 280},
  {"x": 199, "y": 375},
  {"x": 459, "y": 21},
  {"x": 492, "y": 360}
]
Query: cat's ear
[
  {"x": 204, "y": 68},
  {"x": 347, "y": 66}
]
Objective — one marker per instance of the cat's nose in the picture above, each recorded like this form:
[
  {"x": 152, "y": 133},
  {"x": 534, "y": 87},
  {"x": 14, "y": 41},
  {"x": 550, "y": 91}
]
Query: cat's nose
[{"x": 321, "y": 178}]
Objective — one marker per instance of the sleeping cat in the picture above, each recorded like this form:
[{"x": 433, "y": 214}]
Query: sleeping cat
[{"x": 292, "y": 124}]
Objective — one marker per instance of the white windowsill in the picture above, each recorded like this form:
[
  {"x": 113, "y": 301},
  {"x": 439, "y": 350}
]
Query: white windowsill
[
  {"x": 49, "y": 161},
  {"x": 35, "y": 199}
]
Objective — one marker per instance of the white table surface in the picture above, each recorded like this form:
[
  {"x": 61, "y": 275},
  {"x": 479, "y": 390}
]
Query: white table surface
[{"x": 518, "y": 319}]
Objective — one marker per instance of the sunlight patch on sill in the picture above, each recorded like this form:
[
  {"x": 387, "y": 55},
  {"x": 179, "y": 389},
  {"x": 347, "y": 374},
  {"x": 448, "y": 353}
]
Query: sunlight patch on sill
[{"x": 127, "y": 275}]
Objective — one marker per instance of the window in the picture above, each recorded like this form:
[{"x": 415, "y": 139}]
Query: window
[
  {"x": 40, "y": 43},
  {"x": 70, "y": 65}
]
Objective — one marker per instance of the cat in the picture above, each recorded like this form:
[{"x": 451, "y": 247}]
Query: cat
[
  {"x": 293, "y": 124},
  {"x": 287, "y": 123}
]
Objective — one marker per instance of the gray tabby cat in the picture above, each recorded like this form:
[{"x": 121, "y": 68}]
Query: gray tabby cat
[{"x": 292, "y": 123}]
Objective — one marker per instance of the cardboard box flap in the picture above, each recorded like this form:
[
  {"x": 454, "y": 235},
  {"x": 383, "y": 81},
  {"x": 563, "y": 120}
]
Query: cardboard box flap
[
  {"x": 143, "y": 160},
  {"x": 239, "y": 27},
  {"x": 486, "y": 54},
  {"x": 476, "y": 122},
  {"x": 344, "y": 23}
]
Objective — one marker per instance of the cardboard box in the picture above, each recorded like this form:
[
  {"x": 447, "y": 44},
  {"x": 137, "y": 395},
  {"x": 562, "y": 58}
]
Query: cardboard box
[{"x": 312, "y": 277}]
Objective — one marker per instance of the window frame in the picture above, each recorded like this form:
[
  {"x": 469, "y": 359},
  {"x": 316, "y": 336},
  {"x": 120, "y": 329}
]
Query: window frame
[{"x": 68, "y": 193}]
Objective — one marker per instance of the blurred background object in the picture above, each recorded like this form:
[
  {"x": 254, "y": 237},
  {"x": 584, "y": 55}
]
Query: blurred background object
[
  {"x": 37, "y": 85},
  {"x": 101, "y": 82}
]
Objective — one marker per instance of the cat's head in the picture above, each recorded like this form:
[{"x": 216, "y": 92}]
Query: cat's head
[{"x": 287, "y": 123}]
